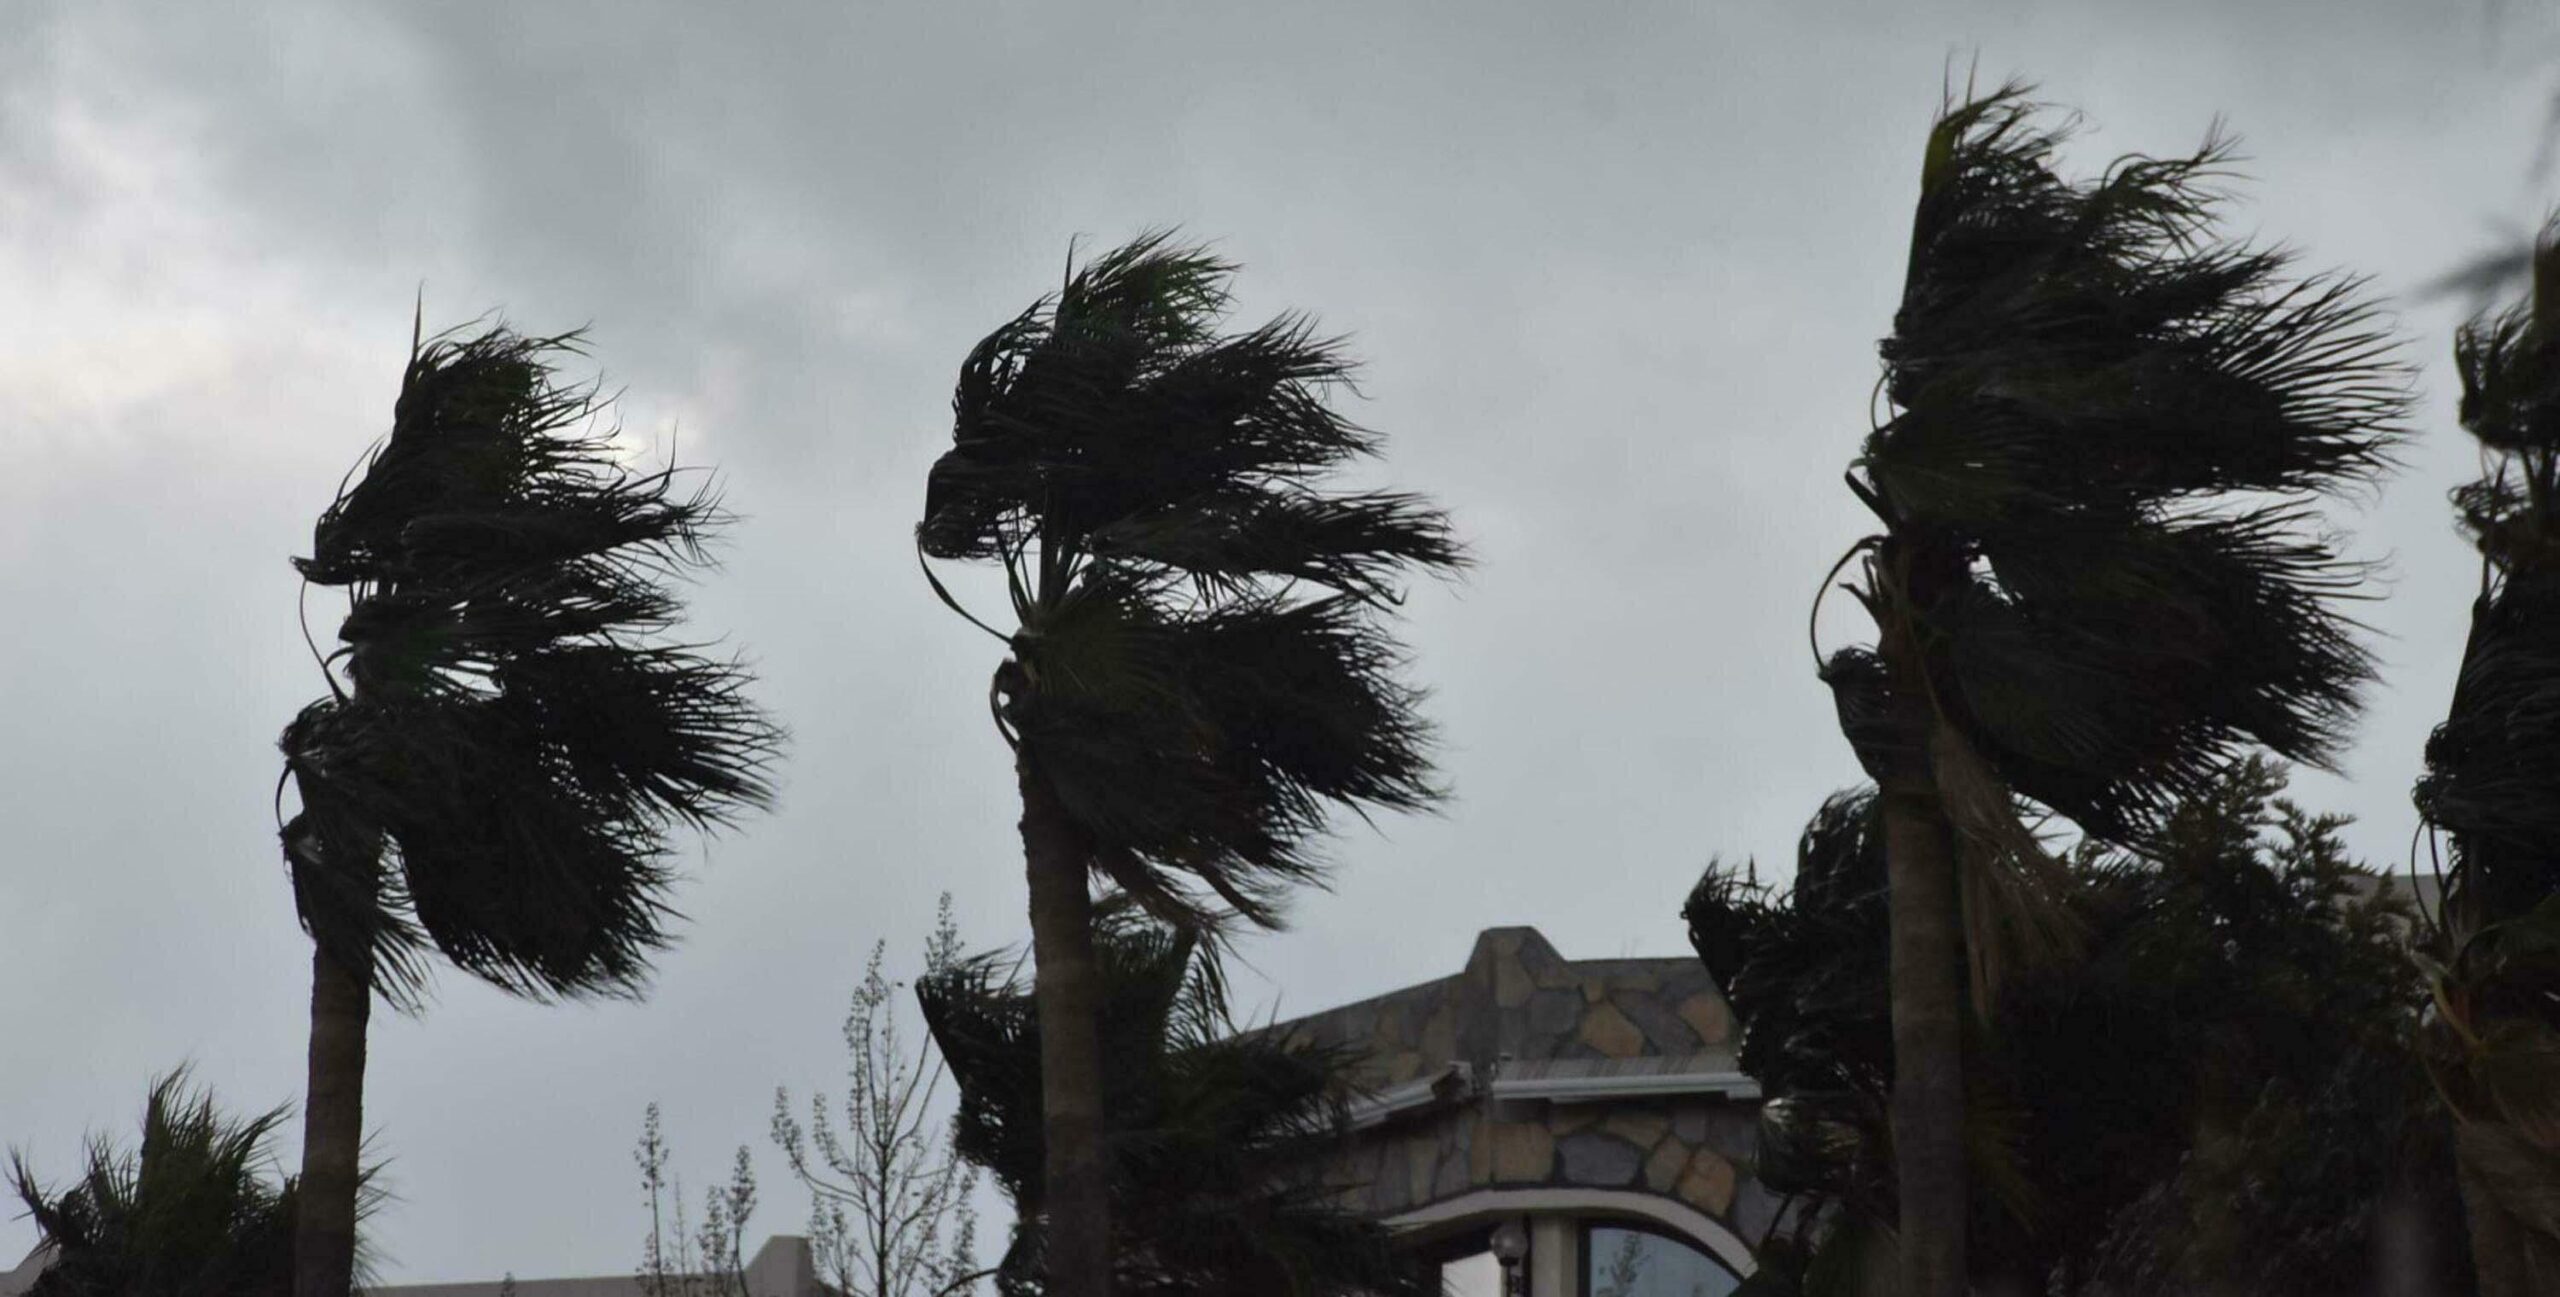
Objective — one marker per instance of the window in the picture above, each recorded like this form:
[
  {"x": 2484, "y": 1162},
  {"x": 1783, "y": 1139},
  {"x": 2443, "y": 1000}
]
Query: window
[
  {"x": 1630, "y": 1261},
  {"x": 1472, "y": 1276}
]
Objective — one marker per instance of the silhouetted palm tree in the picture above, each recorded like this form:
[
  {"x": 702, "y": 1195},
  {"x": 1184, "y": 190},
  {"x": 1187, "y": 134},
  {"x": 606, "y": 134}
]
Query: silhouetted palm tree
[
  {"x": 1220, "y": 1139},
  {"x": 2216, "y": 1092},
  {"x": 495, "y": 778},
  {"x": 2096, "y": 578},
  {"x": 1195, "y": 673},
  {"x": 2492, "y": 787},
  {"x": 188, "y": 1214}
]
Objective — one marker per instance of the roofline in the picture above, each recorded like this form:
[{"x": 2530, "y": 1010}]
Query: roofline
[
  {"x": 1457, "y": 1082},
  {"x": 1594, "y": 1089}
]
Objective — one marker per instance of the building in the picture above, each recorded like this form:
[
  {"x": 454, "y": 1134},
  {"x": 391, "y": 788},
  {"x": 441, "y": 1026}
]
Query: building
[
  {"x": 1592, "y": 1105},
  {"x": 783, "y": 1267}
]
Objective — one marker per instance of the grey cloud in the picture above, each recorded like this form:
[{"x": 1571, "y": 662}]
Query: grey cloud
[{"x": 1618, "y": 272}]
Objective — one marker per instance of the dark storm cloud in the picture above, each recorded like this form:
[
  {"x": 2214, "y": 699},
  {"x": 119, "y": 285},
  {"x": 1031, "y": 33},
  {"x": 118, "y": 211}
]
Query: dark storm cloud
[{"x": 1617, "y": 270}]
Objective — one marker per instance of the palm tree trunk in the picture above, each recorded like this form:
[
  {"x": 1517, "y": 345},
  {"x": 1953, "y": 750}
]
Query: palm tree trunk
[
  {"x": 324, "y": 1234},
  {"x": 1076, "y": 1196},
  {"x": 1927, "y": 923}
]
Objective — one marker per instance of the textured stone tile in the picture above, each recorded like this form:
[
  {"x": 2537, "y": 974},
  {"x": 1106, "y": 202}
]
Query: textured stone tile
[
  {"x": 1403, "y": 1067},
  {"x": 1668, "y": 1032},
  {"x": 1565, "y": 1118},
  {"x": 1439, "y": 1042},
  {"x": 1707, "y": 1015},
  {"x": 1523, "y": 1152},
  {"x": 1689, "y": 1122},
  {"x": 1638, "y": 1126},
  {"x": 1708, "y": 1182},
  {"x": 1607, "y": 1030},
  {"x": 1662, "y": 1169},
  {"x": 1553, "y": 1012},
  {"x": 1733, "y": 1130},
  {"x": 1598, "y": 1161}
]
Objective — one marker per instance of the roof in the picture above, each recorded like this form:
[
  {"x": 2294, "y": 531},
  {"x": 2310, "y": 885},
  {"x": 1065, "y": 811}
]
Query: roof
[
  {"x": 783, "y": 1267},
  {"x": 1521, "y": 1021}
]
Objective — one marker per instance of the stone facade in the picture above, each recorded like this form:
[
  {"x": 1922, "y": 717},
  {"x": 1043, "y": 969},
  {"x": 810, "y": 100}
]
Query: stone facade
[{"x": 1529, "y": 1070}]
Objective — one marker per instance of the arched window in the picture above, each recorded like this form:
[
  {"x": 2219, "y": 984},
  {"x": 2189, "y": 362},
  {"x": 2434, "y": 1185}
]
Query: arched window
[{"x": 1625, "y": 1259}]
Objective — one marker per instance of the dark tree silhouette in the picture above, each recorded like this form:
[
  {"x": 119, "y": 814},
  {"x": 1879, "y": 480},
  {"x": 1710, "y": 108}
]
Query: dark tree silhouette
[
  {"x": 2217, "y": 1093},
  {"x": 2096, "y": 579},
  {"x": 1218, "y": 1138},
  {"x": 508, "y": 738},
  {"x": 190, "y": 1213},
  {"x": 2492, "y": 792},
  {"x": 1196, "y": 674}
]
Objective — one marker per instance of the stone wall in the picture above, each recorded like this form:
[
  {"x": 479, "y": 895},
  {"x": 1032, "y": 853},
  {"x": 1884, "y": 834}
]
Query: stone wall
[
  {"x": 1519, "y": 998},
  {"x": 1693, "y": 1151},
  {"x": 1518, "y": 1009}
]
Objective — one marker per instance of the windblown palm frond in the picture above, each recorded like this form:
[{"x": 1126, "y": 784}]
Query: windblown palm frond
[
  {"x": 2217, "y": 1088},
  {"x": 515, "y": 740},
  {"x": 1217, "y": 1137},
  {"x": 2104, "y": 422},
  {"x": 1197, "y": 668},
  {"x": 190, "y": 1213},
  {"x": 2492, "y": 788}
]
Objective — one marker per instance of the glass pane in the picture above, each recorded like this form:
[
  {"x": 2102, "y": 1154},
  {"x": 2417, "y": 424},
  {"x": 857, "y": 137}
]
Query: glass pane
[
  {"x": 1632, "y": 1263},
  {"x": 1472, "y": 1276}
]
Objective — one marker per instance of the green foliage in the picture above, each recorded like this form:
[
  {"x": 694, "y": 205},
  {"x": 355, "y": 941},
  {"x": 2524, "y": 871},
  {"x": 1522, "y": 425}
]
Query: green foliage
[
  {"x": 890, "y": 1196},
  {"x": 1197, "y": 669},
  {"x": 514, "y": 740},
  {"x": 191, "y": 1213},
  {"x": 1215, "y": 1136},
  {"x": 2492, "y": 792},
  {"x": 2219, "y": 1089},
  {"x": 2105, "y": 423}
]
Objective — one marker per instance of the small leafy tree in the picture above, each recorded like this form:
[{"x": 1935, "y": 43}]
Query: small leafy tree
[
  {"x": 678, "y": 1261},
  {"x": 1219, "y": 1137},
  {"x": 2216, "y": 1092},
  {"x": 891, "y": 1212}
]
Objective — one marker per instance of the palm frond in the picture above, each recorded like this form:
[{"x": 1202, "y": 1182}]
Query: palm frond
[
  {"x": 519, "y": 740},
  {"x": 188, "y": 1212},
  {"x": 2081, "y": 371},
  {"x": 1197, "y": 669},
  {"x": 1216, "y": 1136}
]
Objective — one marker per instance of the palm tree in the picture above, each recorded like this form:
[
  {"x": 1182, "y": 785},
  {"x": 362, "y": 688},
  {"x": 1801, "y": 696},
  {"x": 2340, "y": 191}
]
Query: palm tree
[
  {"x": 507, "y": 740},
  {"x": 2216, "y": 1096},
  {"x": 2096, "y": 579},
  {"x": 1219, "y": 1137},
  {"x": 2492, "y": 788},
  {"x": 188, "y": 1214},
  {"x": 1194, "y": 674}
]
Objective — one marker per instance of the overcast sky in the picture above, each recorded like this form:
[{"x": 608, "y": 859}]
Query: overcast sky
[{"x": 1617, "y": 271}]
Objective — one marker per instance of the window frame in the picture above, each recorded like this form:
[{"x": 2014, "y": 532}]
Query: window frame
[{"x": 1589, "y": 1255}]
